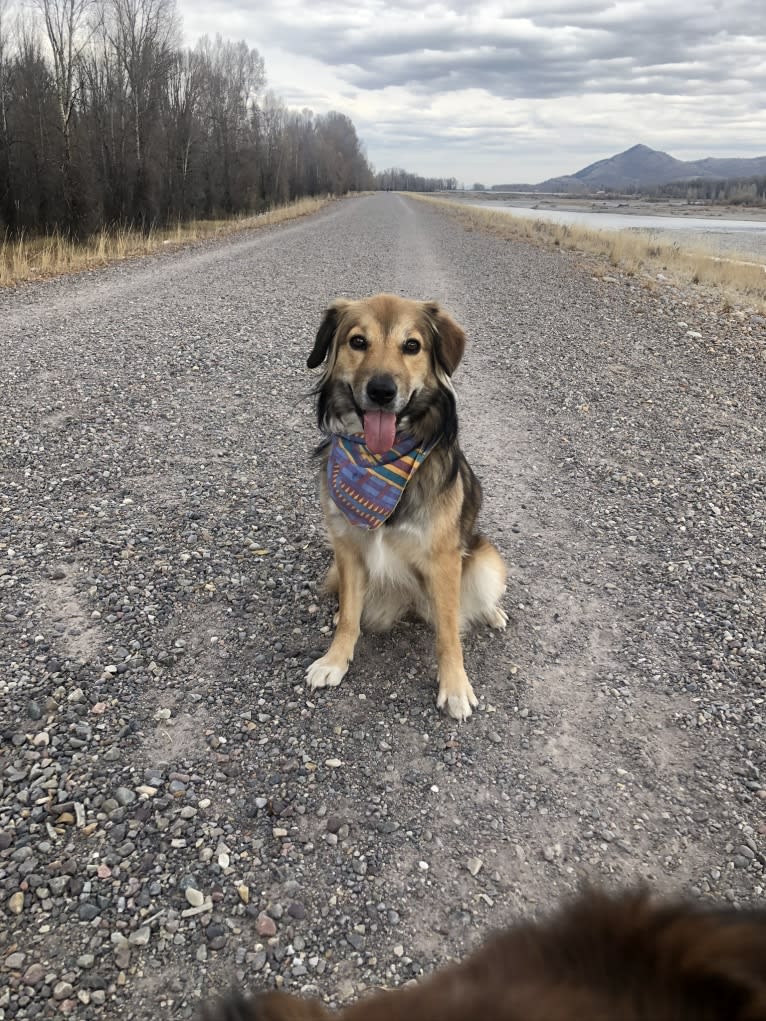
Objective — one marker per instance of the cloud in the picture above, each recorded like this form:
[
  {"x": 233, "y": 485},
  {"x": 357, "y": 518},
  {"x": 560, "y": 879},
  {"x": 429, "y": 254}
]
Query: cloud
[
  {"x": 538, "y": 51},
  {"x": 536, "y": 79}
]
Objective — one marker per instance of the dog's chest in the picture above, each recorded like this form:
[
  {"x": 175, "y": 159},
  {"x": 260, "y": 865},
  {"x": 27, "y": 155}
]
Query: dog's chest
[
  {"x": 388, "y": 556},
  {"x": 393, "y": 555}
]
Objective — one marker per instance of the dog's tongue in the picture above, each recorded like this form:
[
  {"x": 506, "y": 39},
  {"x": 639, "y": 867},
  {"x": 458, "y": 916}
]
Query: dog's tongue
[{"x": 379, "y": 430}]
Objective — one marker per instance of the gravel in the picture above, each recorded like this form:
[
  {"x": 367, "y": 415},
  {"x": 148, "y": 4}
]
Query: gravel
[{"x": 176, "y": 812}]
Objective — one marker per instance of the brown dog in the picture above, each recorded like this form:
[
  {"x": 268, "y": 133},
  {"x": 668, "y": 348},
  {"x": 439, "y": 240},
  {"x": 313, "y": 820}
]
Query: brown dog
[
  {"x": 601, "y": 958},
  {"x": 399, "y": 498}
]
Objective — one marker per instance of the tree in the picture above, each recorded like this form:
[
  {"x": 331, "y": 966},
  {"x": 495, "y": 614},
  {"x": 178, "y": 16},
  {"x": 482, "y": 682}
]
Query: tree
[
  {"x": 65, "y": 27},
  {"x": 6, "y": 187},
  {"x": 142, "y": 33},
  {"x": 234, "y": 76}
]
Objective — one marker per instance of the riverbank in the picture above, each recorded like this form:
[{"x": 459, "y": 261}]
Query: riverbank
[
  {"x": 734, "y": 273},
  {"x": 628, "y": 206}
]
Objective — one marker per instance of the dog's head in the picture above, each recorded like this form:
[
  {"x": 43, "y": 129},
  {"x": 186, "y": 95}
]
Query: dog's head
[
  {"x": 388, "y": 365},
  {"x": 600, "y": 958}
]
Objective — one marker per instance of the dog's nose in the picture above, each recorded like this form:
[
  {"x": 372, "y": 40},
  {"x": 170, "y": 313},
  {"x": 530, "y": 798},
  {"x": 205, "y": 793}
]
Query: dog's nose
[{"x": 381, "y": 390}]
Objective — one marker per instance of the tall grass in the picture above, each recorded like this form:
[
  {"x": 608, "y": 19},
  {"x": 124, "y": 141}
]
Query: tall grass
[
  {"x": 36, "y": 258},
  {"x": 635, "y": 253}
]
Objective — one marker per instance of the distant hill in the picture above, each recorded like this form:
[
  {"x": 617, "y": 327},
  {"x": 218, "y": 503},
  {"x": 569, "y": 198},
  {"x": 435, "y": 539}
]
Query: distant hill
[{"x": 641, "y": 167}]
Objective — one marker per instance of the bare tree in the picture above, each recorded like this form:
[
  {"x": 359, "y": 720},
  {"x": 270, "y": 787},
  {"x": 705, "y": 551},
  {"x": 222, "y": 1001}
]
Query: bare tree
[
  {"x": 6, "y": 187},
  {"x": 67, "y": 32},
  {"x": 183, "y": 116},
  {"x": 5, "y": 72},
  {"x": 235, "y": 75},
  {"x": 142, "y": 33}
]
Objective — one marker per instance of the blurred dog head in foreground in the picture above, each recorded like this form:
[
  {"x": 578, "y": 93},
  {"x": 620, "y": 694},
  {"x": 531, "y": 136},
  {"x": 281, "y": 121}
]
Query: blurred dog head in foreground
[{"x": 601, "y": 958}]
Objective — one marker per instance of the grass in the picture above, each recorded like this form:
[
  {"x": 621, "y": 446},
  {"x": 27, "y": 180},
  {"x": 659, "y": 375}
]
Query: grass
[
  {"x": 55, "y": 254},
  {"x": 632, "y": 252}
]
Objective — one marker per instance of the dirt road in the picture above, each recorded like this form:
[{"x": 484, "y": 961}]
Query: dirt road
[{"x": 176, "y": 810}]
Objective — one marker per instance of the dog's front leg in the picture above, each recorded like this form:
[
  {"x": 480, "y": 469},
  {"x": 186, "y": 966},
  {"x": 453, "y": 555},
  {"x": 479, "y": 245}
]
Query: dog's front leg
[
  {"x": 455, "y": 691},
  {"x": 330, "y": 670}
]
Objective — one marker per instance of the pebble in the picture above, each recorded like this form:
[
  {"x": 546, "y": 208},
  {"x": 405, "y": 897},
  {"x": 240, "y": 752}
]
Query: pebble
[
  {"x": 141, "y": 936},
  {"x": 34, "y": 974},
  {"x": 194, "y": 897},
  {"x": 265, "y": 925},
  {"x": 474, "y": 866},
  {"x": 62, "y": 990}
]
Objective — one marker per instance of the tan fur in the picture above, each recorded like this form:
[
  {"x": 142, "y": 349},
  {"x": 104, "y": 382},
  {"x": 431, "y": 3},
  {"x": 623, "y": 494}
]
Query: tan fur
[
  {"x": 385, "y": 352},
  {"x": 428, "y": 560}
]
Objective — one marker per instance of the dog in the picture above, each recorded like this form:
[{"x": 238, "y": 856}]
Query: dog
[
  {"x": 601, "y": 958},
  {"x": 400, "y": 501}
]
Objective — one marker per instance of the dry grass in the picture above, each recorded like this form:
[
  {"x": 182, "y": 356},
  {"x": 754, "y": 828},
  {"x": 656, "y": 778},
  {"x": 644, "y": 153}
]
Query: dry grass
[
  {"x": 54, "y": 254},
  {"x": 631, "y": 252}
]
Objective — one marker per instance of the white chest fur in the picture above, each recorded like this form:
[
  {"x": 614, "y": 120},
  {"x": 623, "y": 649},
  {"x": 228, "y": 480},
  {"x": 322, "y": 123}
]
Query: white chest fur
[{"x": 392, "y": 553}]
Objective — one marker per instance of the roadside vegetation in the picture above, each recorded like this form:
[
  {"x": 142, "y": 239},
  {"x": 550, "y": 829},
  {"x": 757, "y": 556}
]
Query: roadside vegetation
[
  {"x": 53, "y": 254},
  {"x": 631, "y": 252}
]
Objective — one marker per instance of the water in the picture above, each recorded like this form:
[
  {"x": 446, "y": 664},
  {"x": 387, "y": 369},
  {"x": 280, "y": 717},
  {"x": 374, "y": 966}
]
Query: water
[{"x": 622, "y": 221}]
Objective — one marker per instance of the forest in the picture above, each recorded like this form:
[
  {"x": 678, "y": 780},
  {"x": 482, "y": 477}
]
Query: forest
[{"x": 106, "y": 119}]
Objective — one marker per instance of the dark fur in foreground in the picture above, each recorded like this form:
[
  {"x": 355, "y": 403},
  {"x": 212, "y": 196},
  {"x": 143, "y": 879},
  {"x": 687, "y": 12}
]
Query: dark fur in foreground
[{"x": 601, "y": 958}]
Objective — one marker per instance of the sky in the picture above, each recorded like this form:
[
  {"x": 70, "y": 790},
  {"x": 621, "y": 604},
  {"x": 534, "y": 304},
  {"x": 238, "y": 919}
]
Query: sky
[{"x": 514, "y": 92}]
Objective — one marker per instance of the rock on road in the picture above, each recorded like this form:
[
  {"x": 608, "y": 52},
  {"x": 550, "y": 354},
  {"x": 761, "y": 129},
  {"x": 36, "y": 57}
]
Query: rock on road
[{"x": 176, "y": 811}]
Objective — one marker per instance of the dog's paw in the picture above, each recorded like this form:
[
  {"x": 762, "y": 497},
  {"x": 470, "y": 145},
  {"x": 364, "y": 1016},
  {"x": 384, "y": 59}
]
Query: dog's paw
[
  {"x": 325, "y": 673},
  {"x": 497, "y": 619},
  {"x": 457, "y": 701}
]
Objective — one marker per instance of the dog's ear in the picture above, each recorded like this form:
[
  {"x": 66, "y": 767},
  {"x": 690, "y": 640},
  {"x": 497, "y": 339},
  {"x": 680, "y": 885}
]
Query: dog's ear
[
  {"x": 325, "y": 333},
  {"x": 449, "y": 339}
]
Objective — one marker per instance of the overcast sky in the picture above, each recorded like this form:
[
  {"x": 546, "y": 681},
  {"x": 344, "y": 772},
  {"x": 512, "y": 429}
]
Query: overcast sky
[{"x": 517, "y": 91}]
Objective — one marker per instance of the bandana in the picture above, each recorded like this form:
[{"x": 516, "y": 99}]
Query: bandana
[{"x": 367, "y": 487}]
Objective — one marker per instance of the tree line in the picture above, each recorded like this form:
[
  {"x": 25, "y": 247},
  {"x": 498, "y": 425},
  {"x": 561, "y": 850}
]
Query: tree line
[
  {"x": 396, "y": 179},
  {"x": 106, "y": 119},
  {"x": 742, "y": 191}
]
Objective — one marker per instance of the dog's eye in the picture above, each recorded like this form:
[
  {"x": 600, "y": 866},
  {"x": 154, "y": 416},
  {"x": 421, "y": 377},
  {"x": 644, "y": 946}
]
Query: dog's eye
[
  {"x": 411, "y": 346},
  {"x": 357, "y": 343}
]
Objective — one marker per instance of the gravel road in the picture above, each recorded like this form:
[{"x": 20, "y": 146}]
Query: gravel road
[{"x": 176, "y": 812}]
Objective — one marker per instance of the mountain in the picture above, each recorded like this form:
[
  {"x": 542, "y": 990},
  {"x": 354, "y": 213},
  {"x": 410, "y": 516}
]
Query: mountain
[{"x": 641, "y": 167}]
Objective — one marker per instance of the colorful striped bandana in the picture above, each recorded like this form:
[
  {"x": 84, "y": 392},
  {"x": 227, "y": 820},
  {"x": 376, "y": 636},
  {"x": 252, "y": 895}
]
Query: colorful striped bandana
[{"x": 367, "y": 487}]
